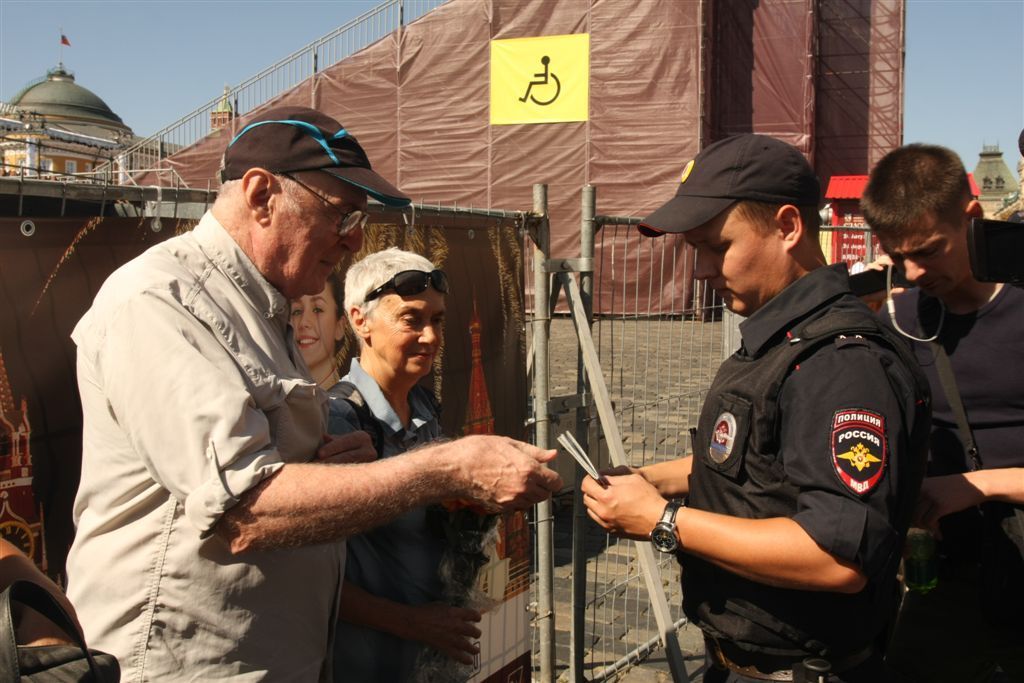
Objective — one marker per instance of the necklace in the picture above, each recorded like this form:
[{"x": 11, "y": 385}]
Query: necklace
[{"x": 331, "y": 375}]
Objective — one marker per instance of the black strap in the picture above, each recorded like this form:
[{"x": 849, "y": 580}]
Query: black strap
[
  {"x": 949, "y": 387},
  {"x": 38, "y": 598},
  {"x": 367, "y": 422}
]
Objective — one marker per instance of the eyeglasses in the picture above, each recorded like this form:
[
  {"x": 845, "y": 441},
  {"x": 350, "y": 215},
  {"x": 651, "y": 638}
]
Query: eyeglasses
[
  {"x": 410, "y": 282},
  {"x": 347, "y": 221}
]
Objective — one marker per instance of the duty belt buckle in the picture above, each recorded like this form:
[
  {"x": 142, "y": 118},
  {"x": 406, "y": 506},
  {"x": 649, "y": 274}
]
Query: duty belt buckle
[{"x": 811, "y": 670}]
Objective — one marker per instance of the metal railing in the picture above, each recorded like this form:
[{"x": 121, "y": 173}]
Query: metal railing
[{"x": 289, "y": 72}]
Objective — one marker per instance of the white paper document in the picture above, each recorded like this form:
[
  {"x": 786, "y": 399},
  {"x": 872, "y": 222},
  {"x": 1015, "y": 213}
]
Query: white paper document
[{"x": 570, "y": 444}]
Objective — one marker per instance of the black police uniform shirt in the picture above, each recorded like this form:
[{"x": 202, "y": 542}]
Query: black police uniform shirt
[
  {"x": 986, "y": 350},
  {"x": 831, "y": 453}
]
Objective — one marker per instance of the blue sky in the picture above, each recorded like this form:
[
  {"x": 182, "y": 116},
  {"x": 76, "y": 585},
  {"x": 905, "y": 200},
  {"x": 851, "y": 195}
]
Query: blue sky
[{"x": 154, "y": 61}]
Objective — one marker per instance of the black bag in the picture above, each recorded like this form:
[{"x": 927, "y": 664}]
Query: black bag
[{"x": 48, "y": 663}]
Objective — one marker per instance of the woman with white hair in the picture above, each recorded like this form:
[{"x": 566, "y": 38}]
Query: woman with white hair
[{"x": 391, "y": 603}]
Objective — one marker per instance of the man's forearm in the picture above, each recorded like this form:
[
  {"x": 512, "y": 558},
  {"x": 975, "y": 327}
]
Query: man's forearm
[
  {"x": 775, "y": 551},
  {"x": 310, "y": 503},
  {"x": 1005, "y": 484},
  {"x": 306, "y": 503}
]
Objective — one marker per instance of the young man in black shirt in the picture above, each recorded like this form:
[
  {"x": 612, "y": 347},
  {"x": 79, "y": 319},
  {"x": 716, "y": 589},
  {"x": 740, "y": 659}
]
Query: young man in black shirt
[{"x": 919, "y": 204}]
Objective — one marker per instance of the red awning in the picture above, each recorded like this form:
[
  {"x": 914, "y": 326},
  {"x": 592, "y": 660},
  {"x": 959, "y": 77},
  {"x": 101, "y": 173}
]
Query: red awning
[
  {"x": 975, "y": 192},
  {"x": 852, "y": 186},
  {"x": 846, "y": 186}
]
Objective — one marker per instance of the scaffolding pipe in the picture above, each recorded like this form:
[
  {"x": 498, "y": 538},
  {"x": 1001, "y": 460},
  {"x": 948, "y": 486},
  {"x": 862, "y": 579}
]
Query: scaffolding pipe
[
  {"x": 542, "y": 425},
  {"x": 577, "y": 647}
]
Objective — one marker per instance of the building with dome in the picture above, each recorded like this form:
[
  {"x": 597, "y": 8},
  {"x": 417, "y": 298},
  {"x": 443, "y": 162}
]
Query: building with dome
[{"x": 56, "y": 127}]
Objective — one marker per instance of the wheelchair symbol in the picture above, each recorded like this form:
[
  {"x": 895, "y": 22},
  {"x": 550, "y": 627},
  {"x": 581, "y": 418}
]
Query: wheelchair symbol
[{"x": 543, "y": 80}]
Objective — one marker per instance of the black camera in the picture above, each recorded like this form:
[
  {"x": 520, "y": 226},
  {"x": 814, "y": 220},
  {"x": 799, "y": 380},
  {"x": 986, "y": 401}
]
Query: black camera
[
  {"x": 871, "y": 280},
  {"x": 997, "y": 250}
]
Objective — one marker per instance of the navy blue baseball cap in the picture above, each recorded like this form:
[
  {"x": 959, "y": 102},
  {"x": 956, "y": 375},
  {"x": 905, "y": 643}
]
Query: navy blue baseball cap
[
  {"x": 292, "y": 139},
  {"x": 744, "y": 167}
]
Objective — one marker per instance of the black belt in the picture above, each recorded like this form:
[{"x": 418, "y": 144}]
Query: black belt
[{"x": 765, "y": 667}]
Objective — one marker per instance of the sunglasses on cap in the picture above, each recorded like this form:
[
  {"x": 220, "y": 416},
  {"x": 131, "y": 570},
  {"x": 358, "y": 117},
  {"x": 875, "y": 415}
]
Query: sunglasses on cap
[
  {"x": 347, "y": 221},
  {"x": 411, "y": 282}
]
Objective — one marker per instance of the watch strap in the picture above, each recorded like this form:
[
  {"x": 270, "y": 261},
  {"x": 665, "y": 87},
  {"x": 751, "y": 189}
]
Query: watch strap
[{"x": 671, "y": 509}]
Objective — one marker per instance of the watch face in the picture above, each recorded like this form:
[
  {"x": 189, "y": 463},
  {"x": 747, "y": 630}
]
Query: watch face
[
  {"x": 19, "y": 535},
  {"x": 664, "y": 538}
]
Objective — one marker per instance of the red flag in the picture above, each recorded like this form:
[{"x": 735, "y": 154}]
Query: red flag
[{"x": 64, "y": 40}]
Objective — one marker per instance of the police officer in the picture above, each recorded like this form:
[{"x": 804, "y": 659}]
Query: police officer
[{"x": 790, "y": 515}]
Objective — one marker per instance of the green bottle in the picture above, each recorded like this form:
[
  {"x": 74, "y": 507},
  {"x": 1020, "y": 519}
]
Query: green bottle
[{"x": 920, "y": 562}]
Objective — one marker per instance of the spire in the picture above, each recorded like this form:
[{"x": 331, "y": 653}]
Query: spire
[
  {"x": 479, "y": 417},
  {"x": 223, "y": 114}
]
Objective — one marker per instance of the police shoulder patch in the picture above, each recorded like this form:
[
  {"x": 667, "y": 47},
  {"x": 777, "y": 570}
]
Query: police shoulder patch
[{"x": 859, "y": 448}]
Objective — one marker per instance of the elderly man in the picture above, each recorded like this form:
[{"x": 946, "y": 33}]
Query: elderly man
[
  {"x": 211, "y": 512},
  {"x": 807, "y": 454}
]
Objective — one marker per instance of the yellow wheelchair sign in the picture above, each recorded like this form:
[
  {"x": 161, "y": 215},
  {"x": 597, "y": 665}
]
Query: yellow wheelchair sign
[{"x": 545, "y": 79}]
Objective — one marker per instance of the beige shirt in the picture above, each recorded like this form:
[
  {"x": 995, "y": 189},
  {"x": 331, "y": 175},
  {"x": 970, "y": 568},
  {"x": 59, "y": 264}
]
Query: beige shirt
[{"x": 190, "y": 397}]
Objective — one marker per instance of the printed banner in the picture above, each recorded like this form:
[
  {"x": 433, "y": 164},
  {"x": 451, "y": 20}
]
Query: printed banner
[{"x": 540, "y": 80}]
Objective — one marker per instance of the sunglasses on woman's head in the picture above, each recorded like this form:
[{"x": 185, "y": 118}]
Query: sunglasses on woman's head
[{"x": 411, "y": 282}]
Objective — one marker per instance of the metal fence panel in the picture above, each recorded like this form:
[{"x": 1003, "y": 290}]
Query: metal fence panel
[{"x": 659, "y": 341}]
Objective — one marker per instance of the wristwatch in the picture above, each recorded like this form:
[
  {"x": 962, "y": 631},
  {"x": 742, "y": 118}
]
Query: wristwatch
[{"x": 663, "y": 535}]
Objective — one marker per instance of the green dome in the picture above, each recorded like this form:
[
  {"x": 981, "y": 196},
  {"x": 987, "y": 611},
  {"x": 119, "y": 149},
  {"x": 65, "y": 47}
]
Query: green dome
[{"x": 60, "y": 97}]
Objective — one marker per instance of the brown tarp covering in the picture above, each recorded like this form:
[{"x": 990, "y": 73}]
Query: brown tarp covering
[{"x": 824, "y": 76}]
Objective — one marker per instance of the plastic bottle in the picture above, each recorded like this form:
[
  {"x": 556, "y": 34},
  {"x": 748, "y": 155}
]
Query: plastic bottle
[{"x": 920, "y": 561}]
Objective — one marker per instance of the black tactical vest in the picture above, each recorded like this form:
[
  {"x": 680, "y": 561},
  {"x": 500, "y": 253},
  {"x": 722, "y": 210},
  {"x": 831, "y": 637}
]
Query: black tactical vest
[{"x": 746, "y": 479}]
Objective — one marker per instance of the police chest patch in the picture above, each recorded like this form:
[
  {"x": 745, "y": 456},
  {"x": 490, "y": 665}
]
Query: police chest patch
[
  {"x": 859, "y": 449},
  {"x": 723, "y": 437}
]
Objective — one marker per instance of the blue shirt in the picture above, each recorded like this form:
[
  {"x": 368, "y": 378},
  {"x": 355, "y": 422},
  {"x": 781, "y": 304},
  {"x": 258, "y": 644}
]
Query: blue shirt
[{"x": 397, "y": 561}]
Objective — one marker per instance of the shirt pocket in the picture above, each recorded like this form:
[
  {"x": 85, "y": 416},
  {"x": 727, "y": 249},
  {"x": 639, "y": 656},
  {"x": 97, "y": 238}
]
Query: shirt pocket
[
  {"x": 725, "y": 438},
  {"x": 296, "y": 413}
]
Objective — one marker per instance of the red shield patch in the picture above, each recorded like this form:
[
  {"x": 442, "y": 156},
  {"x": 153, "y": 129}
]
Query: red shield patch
[{"x": 859, "y": 448}]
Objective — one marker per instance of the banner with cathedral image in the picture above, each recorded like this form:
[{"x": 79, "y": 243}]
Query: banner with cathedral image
[{"x": 50, "y": 269}]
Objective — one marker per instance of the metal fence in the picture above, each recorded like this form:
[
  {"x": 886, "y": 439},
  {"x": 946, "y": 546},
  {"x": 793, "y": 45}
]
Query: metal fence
[
  {"x": 659, "y": 341},
  {"x": 149, "y": 153}
]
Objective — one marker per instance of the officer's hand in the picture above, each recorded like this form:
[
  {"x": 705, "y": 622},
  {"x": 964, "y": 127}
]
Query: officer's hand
[
  {"x": 353, "y": 447},
  {"x": 628, "y": 505},
  {"x": 619, "y": 471}
]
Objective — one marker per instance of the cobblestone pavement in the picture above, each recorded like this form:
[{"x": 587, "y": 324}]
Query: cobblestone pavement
[{"x": 657, "y": 372}]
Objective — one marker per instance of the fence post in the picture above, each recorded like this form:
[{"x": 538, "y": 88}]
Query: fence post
[
  {"x": 542, "y": 425},
  {"x": 577, "y": 646}
]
